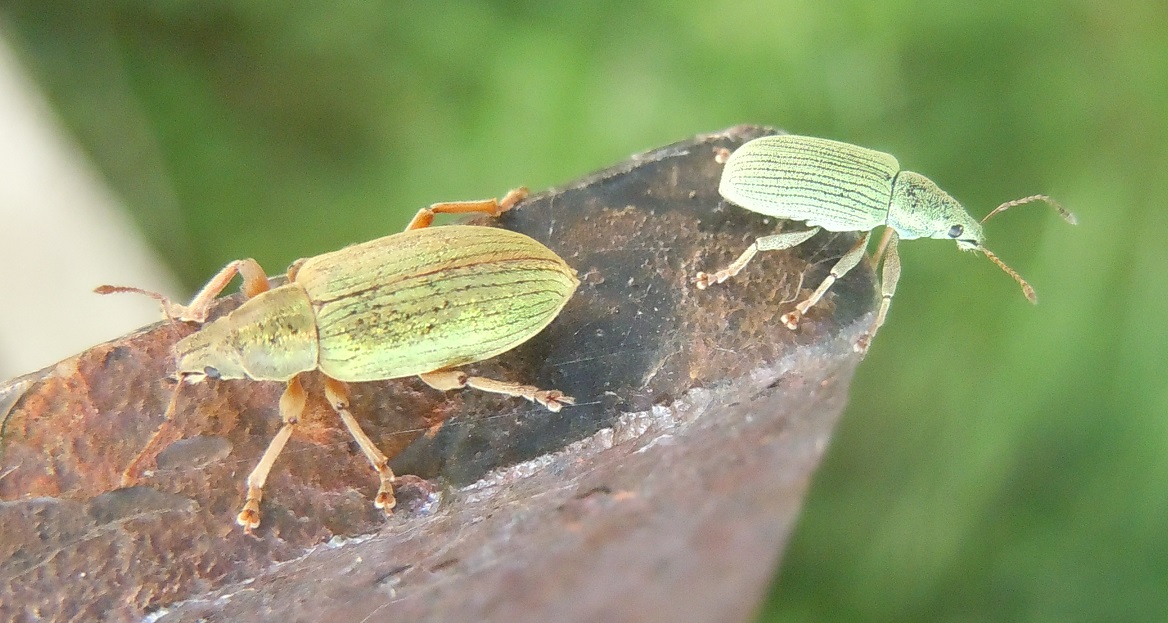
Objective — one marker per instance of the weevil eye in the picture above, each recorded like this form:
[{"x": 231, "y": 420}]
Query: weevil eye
[
  {"x": 210, "y": 372},
  {"x": 956, "y": 231}
]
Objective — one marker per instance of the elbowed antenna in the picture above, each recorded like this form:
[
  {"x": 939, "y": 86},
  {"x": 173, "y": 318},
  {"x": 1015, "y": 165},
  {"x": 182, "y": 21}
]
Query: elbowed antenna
[
  {"x": 1027, "y": 290},
  {"x": 169, "y": 309},
  {"x": 1067, "y": 215}
]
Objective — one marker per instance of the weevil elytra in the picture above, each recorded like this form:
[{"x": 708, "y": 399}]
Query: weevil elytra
[
  {"x": 419, "y": 302},
  {"x": 839, "y": 187}
]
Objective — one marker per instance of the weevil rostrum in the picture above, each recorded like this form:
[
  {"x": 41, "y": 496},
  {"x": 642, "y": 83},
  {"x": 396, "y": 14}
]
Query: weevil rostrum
[
  {"x": 840, "y": 187},
  {"x": 419, "y": 302}
]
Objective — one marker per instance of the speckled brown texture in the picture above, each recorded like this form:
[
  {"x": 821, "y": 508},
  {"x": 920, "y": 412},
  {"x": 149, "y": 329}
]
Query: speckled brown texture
[{"x": 665, "y": 494}]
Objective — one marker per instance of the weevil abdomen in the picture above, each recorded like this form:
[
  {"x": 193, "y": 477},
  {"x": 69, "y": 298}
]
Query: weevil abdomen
[
  {"x": 828, "y": 184},
  {"x": 428, "y": 299}
]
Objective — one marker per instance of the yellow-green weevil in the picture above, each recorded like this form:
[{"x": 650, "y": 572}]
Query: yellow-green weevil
[
  {"x": 419, "y": 302},
  {"x": 840, "y": 187}
]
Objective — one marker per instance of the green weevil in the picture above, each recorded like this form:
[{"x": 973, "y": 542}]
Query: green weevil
[
  {"x": 839, "y": 187},
  {"x": 419, "y": 302}
]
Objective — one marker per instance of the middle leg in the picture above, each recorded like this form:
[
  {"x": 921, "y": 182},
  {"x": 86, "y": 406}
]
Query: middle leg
[{"x": 847, "y": 262}]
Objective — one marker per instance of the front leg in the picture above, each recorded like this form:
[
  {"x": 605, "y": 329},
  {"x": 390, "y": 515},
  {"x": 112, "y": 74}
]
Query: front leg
[
  {"x": 291, "y": 408},
  {"x": 888, "y": 278}
]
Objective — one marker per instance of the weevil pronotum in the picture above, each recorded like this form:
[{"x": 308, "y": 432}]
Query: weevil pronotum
[
  {"x": 840, "y": 187},
  {"x": 419, "y": 302}
]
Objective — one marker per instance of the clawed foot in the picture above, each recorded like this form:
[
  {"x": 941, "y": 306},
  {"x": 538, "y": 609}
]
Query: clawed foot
[
  {"x": 385, "y": 499},
  {"x": 249, "y": 517},
  {"x": 861, "y": 345},
  {"x": 792, "y": 318},
  {"x": 553, "y": 399}
]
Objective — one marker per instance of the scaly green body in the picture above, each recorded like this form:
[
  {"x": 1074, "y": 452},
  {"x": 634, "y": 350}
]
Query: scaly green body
[
  {"x": 406, "y": 304},
  {"x": 428, "y": 299},
  {"x": 840, "y": 187}
]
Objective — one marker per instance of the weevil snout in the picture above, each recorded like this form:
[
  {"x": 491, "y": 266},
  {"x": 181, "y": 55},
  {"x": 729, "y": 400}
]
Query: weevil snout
[{"x": 208, "y": 353}]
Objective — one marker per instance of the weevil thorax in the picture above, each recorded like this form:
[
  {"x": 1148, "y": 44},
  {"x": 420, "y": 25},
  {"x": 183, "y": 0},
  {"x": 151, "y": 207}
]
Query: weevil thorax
[
  {"x": 270, "y": 337},
  {"x": 920, "y": 209}
]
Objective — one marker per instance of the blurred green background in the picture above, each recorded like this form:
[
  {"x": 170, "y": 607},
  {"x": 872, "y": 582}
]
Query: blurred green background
[{"x": 998, "y": 461}]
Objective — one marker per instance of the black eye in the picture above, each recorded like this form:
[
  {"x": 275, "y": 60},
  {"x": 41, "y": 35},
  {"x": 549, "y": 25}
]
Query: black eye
[
  {"x": 956, "y": 231},
  {"x": 211, "y": 373}
]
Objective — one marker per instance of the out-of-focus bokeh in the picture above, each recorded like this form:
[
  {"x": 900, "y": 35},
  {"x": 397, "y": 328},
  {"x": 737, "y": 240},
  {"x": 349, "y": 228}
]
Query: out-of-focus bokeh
[{"x": 998, "y": 461}]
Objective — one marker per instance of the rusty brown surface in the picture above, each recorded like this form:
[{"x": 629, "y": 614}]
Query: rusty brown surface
[{"x": 665, "y": 494}]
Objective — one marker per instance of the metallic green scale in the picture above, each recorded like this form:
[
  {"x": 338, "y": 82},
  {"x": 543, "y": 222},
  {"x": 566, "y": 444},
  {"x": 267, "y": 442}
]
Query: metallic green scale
[
  {"x": 833, "y": 185},
  {"x": 414, "y": 302},
  {"x": 436, "y": 298}
]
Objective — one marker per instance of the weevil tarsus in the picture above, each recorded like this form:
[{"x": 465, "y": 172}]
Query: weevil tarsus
[
  {"x": 292, "y": 404},
  {"x": 492, "y": 207}
]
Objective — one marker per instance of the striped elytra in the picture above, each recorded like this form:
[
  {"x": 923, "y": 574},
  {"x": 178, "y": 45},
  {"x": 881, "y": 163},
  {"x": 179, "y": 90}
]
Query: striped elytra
[
  {"x": 433, "y": 298},
  {"x": 829, "y": 184},
  {"x": 405, "y": 304}
]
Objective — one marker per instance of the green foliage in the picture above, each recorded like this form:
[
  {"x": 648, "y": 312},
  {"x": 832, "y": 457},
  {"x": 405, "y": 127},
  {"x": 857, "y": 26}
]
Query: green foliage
[{"x": 997, "y": 462}]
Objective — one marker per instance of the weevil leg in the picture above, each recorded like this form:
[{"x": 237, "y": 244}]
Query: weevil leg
[
  {"x": 888, "y": 278},
  {"x": 774, "y": 242},
  {"x": 841, "y": 268},
  {"x": 446, "y": 380},
  {"x": 338, "y": 396},
  {"x": 255, "y": 281},
  {"x": 294, "y": 269},
  {"x": 291, "y": 408},
  {"x": 164, "y": 435},
  {"x": 493, "y": 207},
  {"x": 878, "y": 254}
]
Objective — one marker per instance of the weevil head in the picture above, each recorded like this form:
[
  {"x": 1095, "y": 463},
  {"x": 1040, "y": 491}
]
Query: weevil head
[
  {"x": 271, "y": 337},
  {"x": 210, "y": 352},
  {"x": 920, "y": 209}
]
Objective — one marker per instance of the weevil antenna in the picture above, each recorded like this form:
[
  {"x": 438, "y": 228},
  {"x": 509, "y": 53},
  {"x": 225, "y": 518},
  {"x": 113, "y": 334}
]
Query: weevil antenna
[
  {"x": 1067, "y": 215},
  {"x": 168, "y": 308},
  {"x": 1026, "y": 289},
  {"x": 121, "y": 289}
]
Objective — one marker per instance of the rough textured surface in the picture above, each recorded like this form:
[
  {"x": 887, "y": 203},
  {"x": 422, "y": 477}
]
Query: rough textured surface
[{"x": 665, "y": 494}]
